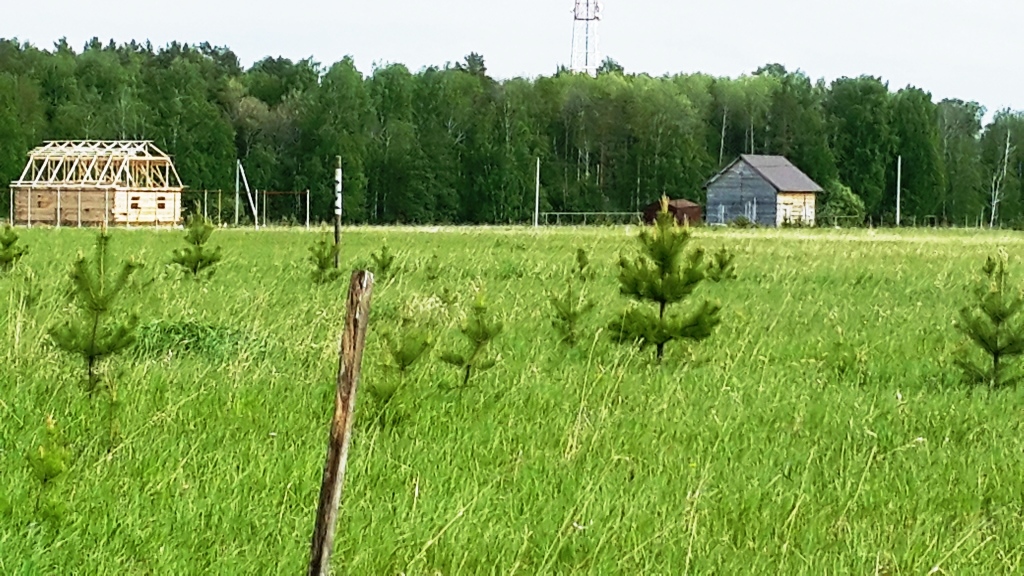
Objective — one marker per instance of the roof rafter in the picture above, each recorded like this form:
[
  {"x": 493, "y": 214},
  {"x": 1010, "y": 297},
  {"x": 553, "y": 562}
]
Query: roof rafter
[{"x": 121, "y": 164}]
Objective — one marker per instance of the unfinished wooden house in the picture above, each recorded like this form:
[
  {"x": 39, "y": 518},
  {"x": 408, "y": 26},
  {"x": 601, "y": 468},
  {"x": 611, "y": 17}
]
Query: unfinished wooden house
[
  {"x": 767, "y": 190},
  {"x": 97, "y": 182}
]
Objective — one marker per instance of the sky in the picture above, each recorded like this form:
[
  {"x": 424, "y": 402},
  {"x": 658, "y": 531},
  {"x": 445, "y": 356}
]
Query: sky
[{"x": 951, "y": 48}]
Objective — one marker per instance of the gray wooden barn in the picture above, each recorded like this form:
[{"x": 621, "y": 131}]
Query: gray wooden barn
[{"x": 767, "y": 190}]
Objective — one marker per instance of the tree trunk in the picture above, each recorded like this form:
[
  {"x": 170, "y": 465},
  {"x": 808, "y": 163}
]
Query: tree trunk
[
  {"x": 997, "y": 182},
  {"x": 721, "y": 146},
  {"x": 661, "y": 322}
]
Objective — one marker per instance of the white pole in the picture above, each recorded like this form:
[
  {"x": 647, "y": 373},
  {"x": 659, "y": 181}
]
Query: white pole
[
  {"x": 238, "y": 197},
  {"x": 307, "y": 208},
  {"x": 79, "y": 208},
  {"x": 338, "y": 204},
  {"x": 206, "y": 202},
  {"x": 11, "y": 209},
  {"x": 58, "y": 207},
  {"x": 536, "y": 203},
  {"x": 899, "y": 188},
  {"x": 248, "y": 194},
  {"x": 29, "y": 206}
]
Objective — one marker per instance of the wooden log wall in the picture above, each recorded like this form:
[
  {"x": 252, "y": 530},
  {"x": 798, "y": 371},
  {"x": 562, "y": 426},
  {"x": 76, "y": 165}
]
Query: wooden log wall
[{"x": 94, "y": 207}]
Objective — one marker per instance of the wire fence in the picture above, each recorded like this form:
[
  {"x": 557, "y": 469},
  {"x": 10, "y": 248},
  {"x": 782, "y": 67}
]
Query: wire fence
[{"x": 590, "y": 218}]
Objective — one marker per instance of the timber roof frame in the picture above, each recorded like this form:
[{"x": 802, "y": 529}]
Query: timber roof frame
[{"x": 136, "y": 165}]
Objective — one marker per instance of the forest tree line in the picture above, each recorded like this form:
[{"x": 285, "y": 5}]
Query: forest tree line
[{"x": 452, "y": 145}]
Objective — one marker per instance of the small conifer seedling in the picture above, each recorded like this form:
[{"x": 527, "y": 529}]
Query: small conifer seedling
[
  {"x": 10, "y": 250},
  {"x": 583, "y": 271},
  {"x": 433, "y": 268},
  {"x": 408, "y": 345},
  {"x": 49, "y": 461},
  {"x": 993, "y": 322},
  {"x": 663, "y": 274},
  {"x": 197, "y": 258},
  {"x": 322, "y": 254},
  {"x": 95, "y": 334},
  {"x": 572, "y": 306},
  {"x": 383, "y": 261},
  {"x": 721, "y": 267},
  {"x": 479, "y": 329}
]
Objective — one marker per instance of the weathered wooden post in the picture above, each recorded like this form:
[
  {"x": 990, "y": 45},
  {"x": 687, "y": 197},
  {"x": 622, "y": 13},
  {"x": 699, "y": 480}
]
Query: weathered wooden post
[{"x": 353, "y": 339}]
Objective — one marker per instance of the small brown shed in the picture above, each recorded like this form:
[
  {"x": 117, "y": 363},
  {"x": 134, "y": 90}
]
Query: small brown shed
[{"x": 686, "y": 212}]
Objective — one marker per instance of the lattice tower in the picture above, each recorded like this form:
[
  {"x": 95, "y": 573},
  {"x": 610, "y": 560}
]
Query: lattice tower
[{"x": 586, "y": 56}]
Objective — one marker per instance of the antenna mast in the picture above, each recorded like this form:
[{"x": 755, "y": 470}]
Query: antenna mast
[{"x": 586, "y": 18}]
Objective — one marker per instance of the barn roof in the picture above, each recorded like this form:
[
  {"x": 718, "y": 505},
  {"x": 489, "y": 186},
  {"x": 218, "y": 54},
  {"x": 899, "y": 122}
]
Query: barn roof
[
  {"x": 679, "y": 203},
  {"x": 777, "y": 171}
]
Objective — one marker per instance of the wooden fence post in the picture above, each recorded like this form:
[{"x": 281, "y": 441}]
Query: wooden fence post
[{"x": 353, "y": 339}]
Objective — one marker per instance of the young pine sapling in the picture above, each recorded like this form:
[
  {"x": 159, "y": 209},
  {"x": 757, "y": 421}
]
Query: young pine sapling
[
  {"x": 382, "y": 261},
  {"x": 721, "y": 267},
  {"x": 572, "y": 306},
  {"x": 993, "y": 322},
  {"x": 663, "y": 274},
  {"x": 406, "y": 346},
  {"x": 479, "y": 329},
  {"x": 433, "y": 268},
  {"x": 10, "y": 250},
  {"x": 322, "y": 254},
  {"x": 96, "y": 334},
  {"x": 49, "y": 461},
  {"x": 197, "y": 258}
]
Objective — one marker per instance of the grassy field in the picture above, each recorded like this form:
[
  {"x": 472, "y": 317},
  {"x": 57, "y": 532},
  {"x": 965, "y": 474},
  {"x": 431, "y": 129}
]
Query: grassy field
[{"x": 821, "y": 430}]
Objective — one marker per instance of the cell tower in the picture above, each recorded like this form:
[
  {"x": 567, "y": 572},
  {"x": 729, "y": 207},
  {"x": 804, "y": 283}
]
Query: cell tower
[{"x": 586, "y": 19}]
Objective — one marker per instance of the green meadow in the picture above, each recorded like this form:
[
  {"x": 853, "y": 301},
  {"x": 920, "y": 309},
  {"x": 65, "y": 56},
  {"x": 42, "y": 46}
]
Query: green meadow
[{"x": 823, "y": 428}]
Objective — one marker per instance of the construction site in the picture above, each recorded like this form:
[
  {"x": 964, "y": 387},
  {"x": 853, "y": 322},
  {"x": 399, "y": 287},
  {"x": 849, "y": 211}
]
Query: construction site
[{"x": 91, "y": 183}]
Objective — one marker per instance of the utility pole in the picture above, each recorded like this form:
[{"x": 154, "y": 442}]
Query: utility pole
[
  {"x": 899, "y": 189},
  {"x": 337, "y": 215}
]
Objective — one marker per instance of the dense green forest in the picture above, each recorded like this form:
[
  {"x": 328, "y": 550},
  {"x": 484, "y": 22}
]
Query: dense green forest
[{"x": 453, "y": 145}]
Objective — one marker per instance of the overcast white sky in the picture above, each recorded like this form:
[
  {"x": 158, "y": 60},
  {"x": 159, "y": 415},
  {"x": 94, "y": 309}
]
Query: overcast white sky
[{"x": 952, "y": 48}]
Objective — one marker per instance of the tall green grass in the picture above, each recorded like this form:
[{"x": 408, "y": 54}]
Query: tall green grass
[{"x": 822, "y": 429}]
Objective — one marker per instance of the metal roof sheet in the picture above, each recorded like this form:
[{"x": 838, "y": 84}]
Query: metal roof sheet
[{"x": 781, "y": 173}]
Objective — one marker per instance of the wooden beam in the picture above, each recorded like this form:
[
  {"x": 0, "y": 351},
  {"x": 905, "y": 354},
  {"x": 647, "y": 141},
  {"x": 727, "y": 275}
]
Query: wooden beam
[{"x": 353, "y": 340}]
